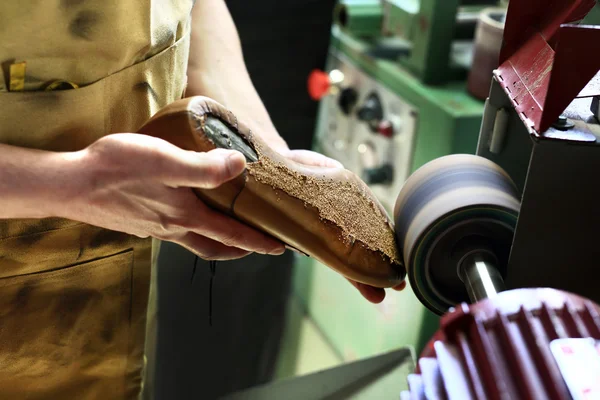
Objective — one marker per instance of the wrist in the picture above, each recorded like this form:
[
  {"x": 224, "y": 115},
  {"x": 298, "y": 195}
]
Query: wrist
[
  {"x": 250, "y": 111},
  {"x": 274, "y": 140},
  {"x": 69, "y": 180},
  {"x": 36, "y": 183}
]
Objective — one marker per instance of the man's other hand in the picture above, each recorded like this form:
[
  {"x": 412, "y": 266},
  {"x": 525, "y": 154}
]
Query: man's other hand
[{"x": 306, "y": 157}]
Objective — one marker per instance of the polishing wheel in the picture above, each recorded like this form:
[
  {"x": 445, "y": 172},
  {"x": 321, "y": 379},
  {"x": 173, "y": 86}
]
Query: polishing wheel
[{"x": 455, "y": 218}]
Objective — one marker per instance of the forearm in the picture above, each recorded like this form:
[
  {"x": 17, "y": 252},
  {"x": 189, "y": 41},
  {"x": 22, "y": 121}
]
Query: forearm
[
  {"x": 217, "y": 69},
  {"x": 34, "y": 183}
]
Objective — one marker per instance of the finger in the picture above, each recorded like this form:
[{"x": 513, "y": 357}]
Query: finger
[
  {"x": 209, "y": 249},
  {"x": 230, "y": 232},
  {"x": 312, "y": 158},
  {"x": 400, "y": 286},
  {"x": 372, "y": 294},
  {"x": 206, "y": 170}
]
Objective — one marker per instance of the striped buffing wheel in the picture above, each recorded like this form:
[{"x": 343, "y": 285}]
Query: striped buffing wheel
[{"x": 447, "y": 209}]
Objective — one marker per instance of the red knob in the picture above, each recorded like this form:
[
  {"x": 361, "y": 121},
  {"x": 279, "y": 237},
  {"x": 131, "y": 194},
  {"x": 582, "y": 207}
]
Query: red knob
[
  {"x": 318, "y": 84},
  {"x": 385, "y": 128}
]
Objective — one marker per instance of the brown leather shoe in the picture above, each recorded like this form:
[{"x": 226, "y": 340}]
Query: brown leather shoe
[{"x": 326, "y": 213}]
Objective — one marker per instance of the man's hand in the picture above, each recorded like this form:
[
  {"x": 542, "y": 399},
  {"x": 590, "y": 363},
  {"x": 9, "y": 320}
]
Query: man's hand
[
  {"x": 141, "y": 185},
  {"x": 372, "y": 294}
]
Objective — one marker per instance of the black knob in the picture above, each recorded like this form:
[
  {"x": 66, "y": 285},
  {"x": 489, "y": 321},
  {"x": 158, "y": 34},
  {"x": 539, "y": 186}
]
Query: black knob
[
  {"x": 379, "y": 175},
  {"x": 371, "y": 111},
  {"x": 347, "y": 100}
]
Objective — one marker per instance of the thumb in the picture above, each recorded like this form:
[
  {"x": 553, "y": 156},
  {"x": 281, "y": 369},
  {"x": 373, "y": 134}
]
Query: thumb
[{"x": 208, "y": 170}]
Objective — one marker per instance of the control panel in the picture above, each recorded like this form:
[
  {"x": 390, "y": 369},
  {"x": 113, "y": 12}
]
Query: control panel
[{"x": 365, "y": 126}]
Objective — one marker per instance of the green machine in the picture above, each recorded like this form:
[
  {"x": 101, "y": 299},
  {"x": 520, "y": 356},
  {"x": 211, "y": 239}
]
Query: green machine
[{"x": 393, "y": 97}]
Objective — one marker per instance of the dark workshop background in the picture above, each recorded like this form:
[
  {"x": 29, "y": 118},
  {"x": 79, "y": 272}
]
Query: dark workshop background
[{"x": 283, "y": 40}]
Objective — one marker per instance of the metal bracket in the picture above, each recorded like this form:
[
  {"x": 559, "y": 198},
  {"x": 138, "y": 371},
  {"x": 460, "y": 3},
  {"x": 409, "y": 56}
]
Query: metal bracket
[{"x": 349, "y": 381}]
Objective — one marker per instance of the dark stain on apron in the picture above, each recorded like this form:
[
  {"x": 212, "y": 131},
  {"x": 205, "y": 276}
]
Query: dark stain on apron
[
  {"x": 4, "y": 231},
  {"x": 31, "y": 235},
  {"x": 70, "y": 305},
  {"x": 46, "y": 99},
  {"x": 82, "y": 26},
  {"x": 146, "y": 87},
  {"x": 105, "y": 237},
  {"x": 30, "y": 240},
  {"x": 22, "y": 297},
  {"x": 108, "y": 331},
  {"x": 5, "y": 66},
  {"x": 164, "y": 37}
]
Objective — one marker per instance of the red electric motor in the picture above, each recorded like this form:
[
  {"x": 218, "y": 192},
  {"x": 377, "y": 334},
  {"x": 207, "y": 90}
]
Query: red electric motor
[{"x": 520, "y": 344}]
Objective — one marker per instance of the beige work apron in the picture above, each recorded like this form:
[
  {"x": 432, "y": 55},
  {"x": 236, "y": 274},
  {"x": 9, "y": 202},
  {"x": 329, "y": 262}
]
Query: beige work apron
[{"x": 74, "y": 297}]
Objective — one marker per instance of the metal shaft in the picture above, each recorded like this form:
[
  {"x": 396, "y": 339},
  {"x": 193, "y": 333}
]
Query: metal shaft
[{"x": 481, "y": 277}]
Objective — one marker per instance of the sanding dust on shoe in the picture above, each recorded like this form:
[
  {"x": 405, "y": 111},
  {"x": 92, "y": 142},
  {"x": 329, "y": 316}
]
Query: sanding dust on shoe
[{"x": 358, "y": 217}]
